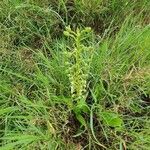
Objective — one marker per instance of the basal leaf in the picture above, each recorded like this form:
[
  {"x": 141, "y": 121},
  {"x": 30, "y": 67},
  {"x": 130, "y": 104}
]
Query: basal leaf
[{"x": 112, "y": 119}]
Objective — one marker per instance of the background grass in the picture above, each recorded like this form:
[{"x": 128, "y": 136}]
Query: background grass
[{"x": 35, "y": 89}]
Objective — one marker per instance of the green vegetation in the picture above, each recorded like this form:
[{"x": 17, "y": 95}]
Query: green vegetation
[{"x": 74, "y": 74}]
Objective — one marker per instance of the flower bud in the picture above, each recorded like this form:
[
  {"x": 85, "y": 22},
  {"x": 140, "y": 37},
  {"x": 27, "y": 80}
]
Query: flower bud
[{"x": 66, "y": 33}]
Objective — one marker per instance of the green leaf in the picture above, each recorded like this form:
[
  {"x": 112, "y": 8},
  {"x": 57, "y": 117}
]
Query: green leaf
[
  {"x": 80, "y": 119},
  {"x": 112, "y": 119},
  {"x": 81, "y": 107}
]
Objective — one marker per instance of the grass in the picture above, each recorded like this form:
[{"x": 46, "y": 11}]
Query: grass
[{"x": 74, "y": 75}]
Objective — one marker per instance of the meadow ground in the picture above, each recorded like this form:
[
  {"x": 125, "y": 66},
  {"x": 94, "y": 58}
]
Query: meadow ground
[{"x": 74, "y": 75}]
